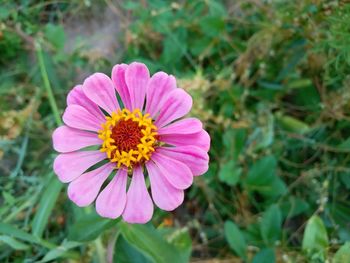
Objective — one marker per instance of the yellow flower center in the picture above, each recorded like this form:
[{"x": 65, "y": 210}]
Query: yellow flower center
[{"x": 128, "y": 137}]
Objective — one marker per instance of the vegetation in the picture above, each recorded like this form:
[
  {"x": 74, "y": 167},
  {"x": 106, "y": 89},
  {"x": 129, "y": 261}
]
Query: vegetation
[{"x": 271, "y": 82}]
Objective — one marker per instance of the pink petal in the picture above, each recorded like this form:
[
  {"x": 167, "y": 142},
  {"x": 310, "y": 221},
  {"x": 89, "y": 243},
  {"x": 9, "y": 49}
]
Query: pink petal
[
  {"x": 177, "y": 173},
  {"x": 177, "y": 104},
  {"x": 111, "y": 201},
  {"x": 66, "y": 139},
  {"x": 100, "y": 89},
  {"x": 164, "y": 194},
  {"x": 194, "y": 157},
  {"x": 185, "y": 126},
  {"x": 158, "y": 90},
  {"x": 136, "y": 78},
  {"x": 83, "y": 191},
  {"x": 118, "y": 77},
  {"x": 200, "y": 139},
  {"x": 69, "y": 166},
  {"x": 77, "y": 96},
  {"x": 76, "y": 116},
  {"x": 139, "y": 206}
]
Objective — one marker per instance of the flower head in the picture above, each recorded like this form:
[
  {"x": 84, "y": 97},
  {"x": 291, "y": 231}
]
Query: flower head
[{"x": 110, "y": 141}]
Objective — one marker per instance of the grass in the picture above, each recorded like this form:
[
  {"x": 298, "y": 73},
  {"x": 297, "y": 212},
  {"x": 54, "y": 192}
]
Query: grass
[{"x": 269, "y": 79}]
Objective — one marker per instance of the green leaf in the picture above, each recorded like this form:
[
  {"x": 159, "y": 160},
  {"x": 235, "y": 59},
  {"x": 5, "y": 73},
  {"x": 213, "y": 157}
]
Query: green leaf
[
  {"x": 345, "y": 178},
  {"x": 267, "y": 133},
  {"x": 345, "y": 145},
  {"x": 174, "y": 46},
  {"x": 315, "y": 240},
  {"x": 182, "y": 241},
  {"x": 46, "y": 204},
  {"x": 299, "y": 83},
  {"x": 234, "y": 141},
  {"x": 293, "y": 60},
  {"x": 212, "y": 26},
  {"x": 89, "y": 227},
  {"x": 5, "y": 12},
  {"x": 343, "y": 254},
  {"x": 124, "y": 252},
  {"x": 340, "y": 213},
  {"x": 12, "y": 231},
  {"x": 276, "y": 188},
  {"x": 149, "y": 242},
  {"x": 262, "y": 178},
  {"x": 229, "y": 173},
  {"x": 266, "y": 255},
  {"x": 55, "y": 35},
  {"x": 270, "y": 85},
  {"x": 271, "y": 225},
  {"x": 263, "y": 172},
  {"x": 235, "y": 239},
  {"x": 59, "y": 251},
  {"x": 180, "y": 238},
  {"x": 9, "y": 199},
  {"x": 130, "y": 5},
  {"x": 292, "y": 124},
  {"x": 199, "y": 45},
  {"x": 216, "y": 8},
  {"x": 294, "y": 206},
  {"x": 13, "y": 243}
]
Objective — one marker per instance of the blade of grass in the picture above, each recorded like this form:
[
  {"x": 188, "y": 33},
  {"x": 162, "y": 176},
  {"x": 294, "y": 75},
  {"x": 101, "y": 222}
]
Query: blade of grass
[
  {"x": 32, "y": 197},
  {"x": 15, "y": 244},
  {"x": 13, "y": 232},
  {"x": 49, "y": 197},
  {"x": 21, "y": 156},
  {"x": 46, "y": 204},
  {"x": 47, "y": 84}
]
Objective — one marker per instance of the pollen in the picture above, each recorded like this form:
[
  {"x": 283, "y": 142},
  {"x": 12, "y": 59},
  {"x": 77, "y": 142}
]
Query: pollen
[{"x": 128, "y": 137}]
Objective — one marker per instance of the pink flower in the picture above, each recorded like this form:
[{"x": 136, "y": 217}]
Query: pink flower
[{"x": 144, "y": 136}]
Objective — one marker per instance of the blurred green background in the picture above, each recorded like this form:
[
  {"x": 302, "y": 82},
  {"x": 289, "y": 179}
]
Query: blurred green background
[{"x": 270, "y": 80}]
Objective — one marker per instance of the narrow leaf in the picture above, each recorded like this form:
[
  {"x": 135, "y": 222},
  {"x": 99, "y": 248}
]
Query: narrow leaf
[
  {"x": 315, "y": 239},
  {"x": 266, "y": 255},
  {"x": 343, "y": 254},
  {"x": 12, "y": 231},
  {"x": 125, "y": 252},
  {"x": 46, "y": 204},
  {"x": 89, "y": 228},
  {"x": 229, "y": 173},
  {"x": 235, "y": 239},
  {"x": 271, "y": 225},
  {"x": 59, "y": 251},
  {"x": 149, "y": 242},
  {"x": 13, "y": 243}
]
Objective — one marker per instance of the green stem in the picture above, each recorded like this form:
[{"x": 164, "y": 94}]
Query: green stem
[
  {"x": 57, "y": 116},
  {"x": 100, "y": 250},
  {"x": 47, "y": 84}
]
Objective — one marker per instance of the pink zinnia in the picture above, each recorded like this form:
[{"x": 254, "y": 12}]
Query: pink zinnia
[{"x": 143, "y": 135}]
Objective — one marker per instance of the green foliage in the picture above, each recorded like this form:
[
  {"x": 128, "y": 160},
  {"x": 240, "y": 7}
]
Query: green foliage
[
  {"x": 126, "y": 252},
  {"x": 269, "y": 80},
  {"x": 262, "y": 178},
  {"x": 315, "y": 240},
  {"x": 235, "y": 239},
  {"x": 343, "y": 254},
  {"x": 266, "y": 255},
  {"x": 55, "y": 35},
  {"x": 13, "y": 243},
  {"x": 152, "y": 245},
  {"x": 89, "y": 227},
  {"x": 46, "y": 204},
  {"x": 230, "y": 173},
  {"x": 271, "y": 225}
]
